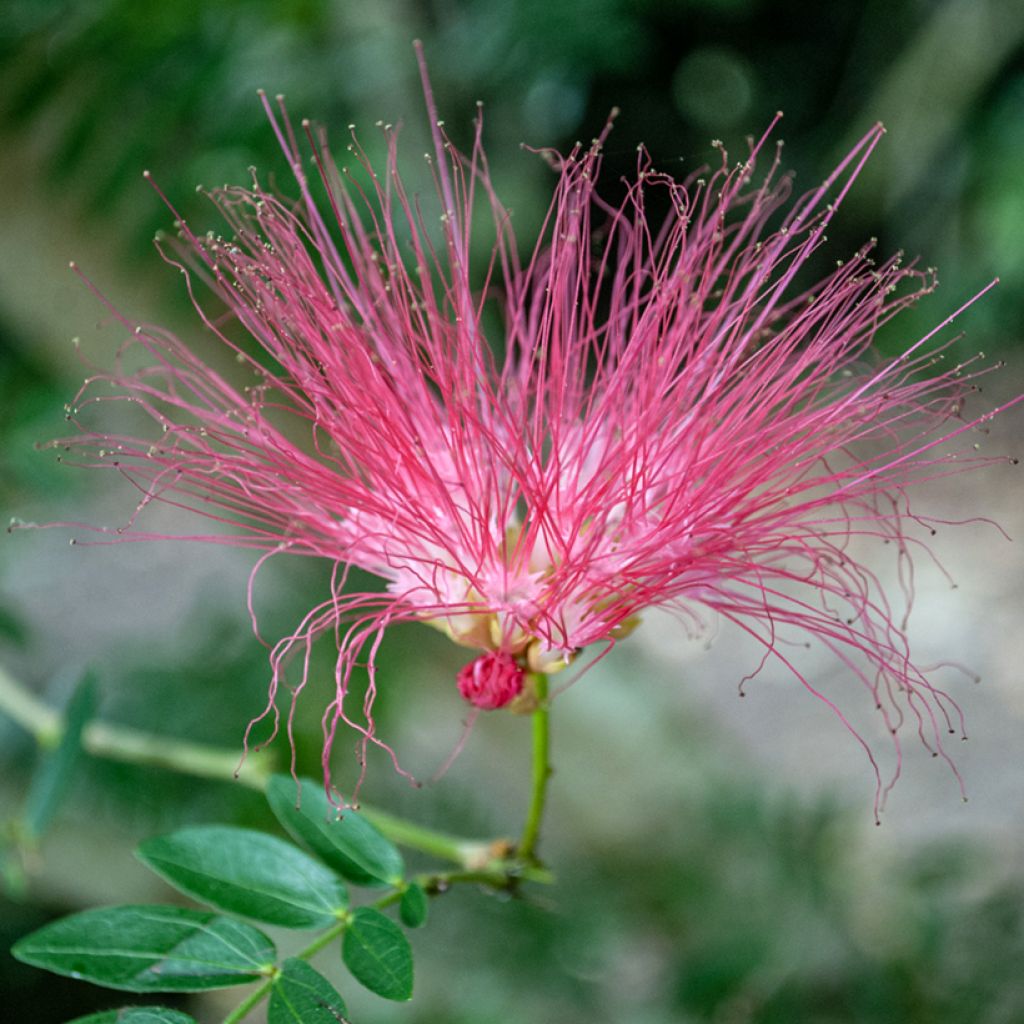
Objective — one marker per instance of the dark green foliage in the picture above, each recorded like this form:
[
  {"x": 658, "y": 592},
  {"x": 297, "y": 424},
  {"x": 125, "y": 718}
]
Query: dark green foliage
[
  {"x": 303, "y": 995},
  {"x": 344, "y": 840},
  {"x": 150, "y": 949},
  {"x": 248, "y": 873},
  {"x": 413, "y": 907},
  {"x": 57, "y": 767},
  {"x": 157, "y": 948},
  {"x": 378, "y": 954}
]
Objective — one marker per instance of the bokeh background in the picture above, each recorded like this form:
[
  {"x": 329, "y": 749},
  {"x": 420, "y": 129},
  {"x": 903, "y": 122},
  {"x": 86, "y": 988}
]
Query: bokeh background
[{"x": 717, "y": 859}]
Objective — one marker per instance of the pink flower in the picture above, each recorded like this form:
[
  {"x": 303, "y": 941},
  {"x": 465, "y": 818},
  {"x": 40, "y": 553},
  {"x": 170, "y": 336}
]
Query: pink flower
[{"x": 668, "y": 419}]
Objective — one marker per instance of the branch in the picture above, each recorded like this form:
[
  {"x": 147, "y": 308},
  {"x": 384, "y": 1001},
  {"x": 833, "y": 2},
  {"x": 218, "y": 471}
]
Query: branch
[{"x": 122, "y": 743}]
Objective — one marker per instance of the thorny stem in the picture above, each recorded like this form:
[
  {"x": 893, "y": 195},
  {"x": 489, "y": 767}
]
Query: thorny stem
[{"x": 541, "y": 772}]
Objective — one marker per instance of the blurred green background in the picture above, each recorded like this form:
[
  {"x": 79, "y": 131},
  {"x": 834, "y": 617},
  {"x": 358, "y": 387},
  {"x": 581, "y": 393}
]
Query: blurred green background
[{"x": 717, "y": 861}]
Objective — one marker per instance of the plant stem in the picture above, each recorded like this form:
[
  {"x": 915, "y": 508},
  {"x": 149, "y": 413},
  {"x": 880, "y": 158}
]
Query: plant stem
[
  {"x": 477, "y": 860},
  {"x": 30, "y": 713},
  {"x": 541, "y": 772},
  {"x": 241, "y": 1011},
  {"x": 438, "y": 844},
  {"x": 325, "y": 939},
  {"x": 120, "y": 743},
  {"x": 501, "y": 876}
]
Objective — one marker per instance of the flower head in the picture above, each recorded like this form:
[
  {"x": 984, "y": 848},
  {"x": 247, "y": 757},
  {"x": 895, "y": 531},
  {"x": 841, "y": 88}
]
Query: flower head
[{"x": 668, "y": 419}]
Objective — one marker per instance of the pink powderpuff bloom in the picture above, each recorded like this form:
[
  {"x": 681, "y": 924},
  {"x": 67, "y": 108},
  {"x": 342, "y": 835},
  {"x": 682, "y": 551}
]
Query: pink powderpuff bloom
[{"x": 668, "y": 419}]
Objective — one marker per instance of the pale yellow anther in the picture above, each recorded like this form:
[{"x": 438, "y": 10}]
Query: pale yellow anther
[{"x": 625, "y": 628}]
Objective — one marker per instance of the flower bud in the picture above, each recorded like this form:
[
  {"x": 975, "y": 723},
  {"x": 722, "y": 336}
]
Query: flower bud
[{"x": 491, "y": 681}]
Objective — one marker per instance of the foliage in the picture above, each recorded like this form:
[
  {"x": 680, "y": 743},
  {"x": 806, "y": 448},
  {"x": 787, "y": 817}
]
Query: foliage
[{"x": 160, "y": 948}]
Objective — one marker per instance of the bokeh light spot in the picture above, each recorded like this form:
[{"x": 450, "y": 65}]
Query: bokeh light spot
[{"x": 713, "y": 87}]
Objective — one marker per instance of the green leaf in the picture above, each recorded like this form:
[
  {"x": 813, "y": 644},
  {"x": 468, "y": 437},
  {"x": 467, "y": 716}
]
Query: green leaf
[
  {"x": 348, "y": 843},
  {"x": 56, "y": 769},
  {"x": 413, "y": 907},
  {"x": 248, "y": 873},
  {"x": 302, "y": 995},
  {"x": 378, "y": 954},
  {"x": 150, "y": 949},
  {"x": 137, "y": 1015}
]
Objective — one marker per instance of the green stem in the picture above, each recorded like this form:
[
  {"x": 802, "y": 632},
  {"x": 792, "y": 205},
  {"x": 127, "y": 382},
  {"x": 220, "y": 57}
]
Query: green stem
[
  {"x": 438, "y": 844},
  {"x": 502, "y": 875},
  {"x": 475, "y": 858},
  {"x": 29, "y": 712},
  {"x": 242, "y": 1010},
  {"x": 120, "y": 743},
  {"x": 260, "y": 993},
  {"x": 541, "y": 772}
]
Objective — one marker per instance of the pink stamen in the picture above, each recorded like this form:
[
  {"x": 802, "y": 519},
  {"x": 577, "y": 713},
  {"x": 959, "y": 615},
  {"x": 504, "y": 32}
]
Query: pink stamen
[{"x": 669, "y": 423}]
